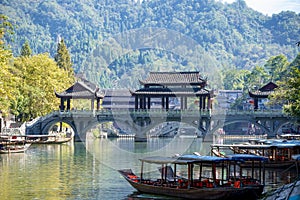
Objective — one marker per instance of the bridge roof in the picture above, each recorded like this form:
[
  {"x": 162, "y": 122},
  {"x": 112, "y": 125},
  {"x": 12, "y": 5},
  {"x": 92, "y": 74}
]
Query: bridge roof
[
  {"x": 264, "y": 91},
  {"x": 172, "y": 92},
  {"x": 268, "y": 87},
  {"x": 260, "y": 94},
  {"x": 81, "y": 90},
  {"x": 174, "y": 78}
]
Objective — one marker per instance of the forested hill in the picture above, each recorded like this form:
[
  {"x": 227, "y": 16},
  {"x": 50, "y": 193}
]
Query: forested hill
[{"x": 228, "y": 35}]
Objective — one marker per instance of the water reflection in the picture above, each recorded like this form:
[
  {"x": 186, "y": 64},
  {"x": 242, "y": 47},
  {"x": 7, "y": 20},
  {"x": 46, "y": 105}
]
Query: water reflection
[{"x": 76, "y": 171}]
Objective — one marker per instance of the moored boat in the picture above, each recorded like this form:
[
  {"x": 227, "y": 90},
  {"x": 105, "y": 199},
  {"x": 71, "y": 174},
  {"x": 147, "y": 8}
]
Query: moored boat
[
  {"x": 208, "y": 177},
  {"x": 279, "y": 154},
  {"x": 289, "y": 136},
  {"x": 47, "y": 139},
  {"x": 9, "y": 144}
]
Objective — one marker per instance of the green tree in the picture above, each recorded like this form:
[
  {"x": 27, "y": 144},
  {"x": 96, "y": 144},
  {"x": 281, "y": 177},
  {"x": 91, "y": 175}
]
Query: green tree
[
  {"x": 26, "y": 50},
  {"x": 288, "y": 93},
  {"x": 38, "y": 78},
  {"x": 235, "y": 79},
  {"x": 6, "y": 79},
  {"x": 5, "y": 27},
  {"x": 296, "y": 62},
  {"x": 292, "y": 93},
  {"x": 257, "y": 78},
  {"x": 277, "y": 67},
  {"x": 63, "y": 58}
]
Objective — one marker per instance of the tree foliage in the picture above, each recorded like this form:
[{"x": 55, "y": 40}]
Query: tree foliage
[
  {"x": 229, "y": 36},
  {"x": 26, "y": 50},
  {"x": 63, "y": 58},
  {"x": 27, "y": 83},
  {"x": 288, "y": 93},
  {"x": 38, "y": 77},
  {"x": 277, "y": 67},
  {"x": 6, "y": 78}
]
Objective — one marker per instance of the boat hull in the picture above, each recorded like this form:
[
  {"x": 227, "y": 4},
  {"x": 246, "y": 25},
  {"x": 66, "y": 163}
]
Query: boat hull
[
  {"x": 51, "y": 142},
  {"x": 15, "y": 149},
  {"x": 245, "y": 193}
]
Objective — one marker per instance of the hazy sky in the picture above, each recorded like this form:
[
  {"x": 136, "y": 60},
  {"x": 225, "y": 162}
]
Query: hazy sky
[{"x": 270, "y": 7}]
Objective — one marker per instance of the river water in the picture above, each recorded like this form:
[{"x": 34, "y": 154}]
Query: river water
[{"x": 89, "y": 170}]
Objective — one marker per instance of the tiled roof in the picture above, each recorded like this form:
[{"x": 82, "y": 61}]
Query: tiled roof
[
  {"x": 81, "y": 90},
  {"x": 171, "y": 92},
  {"x": 174, "y": 78},
  {"x": 264, "y": 91},
  {"x": 260, "y": 94},
  {"x": 268, "y": 87}
]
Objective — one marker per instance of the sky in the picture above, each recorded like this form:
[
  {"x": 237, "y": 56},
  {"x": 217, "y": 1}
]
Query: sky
[{"x": 270, "y": 7}]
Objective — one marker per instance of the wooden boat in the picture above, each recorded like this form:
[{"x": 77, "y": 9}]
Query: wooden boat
[
  {"x": 47, "y": 139},
  {"x": 279, "y": 154},
  {"x": 10, "y": 144},
  {"x": 289, "y": 136},
  {"x": 208, "y": 177}
]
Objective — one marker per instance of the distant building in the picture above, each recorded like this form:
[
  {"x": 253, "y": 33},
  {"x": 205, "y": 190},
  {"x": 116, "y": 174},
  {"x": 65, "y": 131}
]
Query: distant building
[
  {"x": 117, "y": 99},
  {"x": 260, "y": 96},
  {"x": 225, "y": 98}
]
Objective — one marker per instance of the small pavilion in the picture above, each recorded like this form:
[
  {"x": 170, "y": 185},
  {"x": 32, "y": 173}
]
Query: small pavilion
[
  {"x": 82, "y": 89},
  {"x": 165, "y": 85},
  {"x": 262, "y": 93}
]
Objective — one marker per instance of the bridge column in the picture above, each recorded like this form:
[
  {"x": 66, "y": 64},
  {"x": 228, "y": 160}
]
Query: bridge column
[
  {"x": 141, "y": 102},
  {"x": 68, "y": 104},
  {"x": 200, "y": 103},
  {"x": 149, "y": 102},
  {"x": 181, "y": 103},
  {"x": 255, "y": 103},
  {"x": 62, "y": 104},
  {"x": 92, "y": 103},
  {"x": 209, "y": 104},
  {"x": 140, "y": 135},
  {"x": 167, "y": 103},
  {"x": 144, "y": 102},
  {"x": 136, "y": 102},
  {"x": 98, "y": 104}
]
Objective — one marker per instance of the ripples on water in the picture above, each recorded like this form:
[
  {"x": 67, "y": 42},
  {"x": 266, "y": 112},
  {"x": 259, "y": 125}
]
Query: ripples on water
[{"x": 88, "y": 171}]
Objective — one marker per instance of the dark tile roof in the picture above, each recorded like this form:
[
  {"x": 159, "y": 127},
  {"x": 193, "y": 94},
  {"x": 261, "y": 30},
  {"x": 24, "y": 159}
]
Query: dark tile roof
[
  {"x": 171, "y": 92},
  {"x": 264, "y": 91},
  {"x": 260, "y": 94},
  {"x": 268, "y": 87},
  {"x": 174, "y": 78},
  {"x": 81, "y": 90}
]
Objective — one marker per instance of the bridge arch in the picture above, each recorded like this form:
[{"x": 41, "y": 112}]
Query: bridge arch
[
  {"x": 280, "y": 126},
  {"x": 218, "y": 126},
  {"x": 51, "y": 123},
  {"x": 89, "y": 126}
]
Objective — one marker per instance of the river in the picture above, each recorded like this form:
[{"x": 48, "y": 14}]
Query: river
[{"x": 89, "y": 170}]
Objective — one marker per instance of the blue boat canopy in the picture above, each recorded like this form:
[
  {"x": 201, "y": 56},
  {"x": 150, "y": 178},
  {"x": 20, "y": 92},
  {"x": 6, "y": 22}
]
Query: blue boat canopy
[
  {"x": 246, "y": 157},
  {"x": 191, "y": 158},
  {"x": 195, "y": 158},
  {"x": 184, "y": 159}
]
